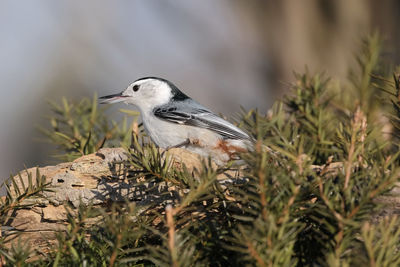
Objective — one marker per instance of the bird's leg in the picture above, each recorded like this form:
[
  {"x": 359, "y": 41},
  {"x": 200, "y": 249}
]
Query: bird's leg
[{"x": 184, "y": 143}]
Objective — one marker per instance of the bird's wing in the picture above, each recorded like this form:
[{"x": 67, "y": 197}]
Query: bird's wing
[{"x": 193, "y": 114}]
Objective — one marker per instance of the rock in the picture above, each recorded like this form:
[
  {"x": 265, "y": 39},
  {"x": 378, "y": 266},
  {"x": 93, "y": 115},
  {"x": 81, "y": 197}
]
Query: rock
[
  {"x": 54, "y": 214},
  {"x": 112, "y": 155},
  {"x": 26, "y": 219},
  {"x": 100, "y": 163},
  {"x": 92, "y": 179}
]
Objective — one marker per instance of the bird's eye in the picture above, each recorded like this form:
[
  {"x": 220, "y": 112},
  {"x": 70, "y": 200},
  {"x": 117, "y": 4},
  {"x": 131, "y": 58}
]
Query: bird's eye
[{"x": 135, "y": 88}]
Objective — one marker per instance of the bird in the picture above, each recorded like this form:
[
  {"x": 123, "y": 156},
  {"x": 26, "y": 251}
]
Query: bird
[{"x": 172, "y": 119}]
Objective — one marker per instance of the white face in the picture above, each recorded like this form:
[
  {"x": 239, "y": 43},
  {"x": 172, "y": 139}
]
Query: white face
[{"x": 145, "y": 94}]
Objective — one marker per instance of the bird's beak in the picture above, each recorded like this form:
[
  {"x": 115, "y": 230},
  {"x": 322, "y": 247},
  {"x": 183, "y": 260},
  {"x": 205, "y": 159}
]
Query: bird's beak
[{"x": 111, "y": 99}]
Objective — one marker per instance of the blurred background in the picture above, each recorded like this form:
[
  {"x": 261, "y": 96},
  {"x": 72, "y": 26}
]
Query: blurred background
[{"x": 225, "y": 54}]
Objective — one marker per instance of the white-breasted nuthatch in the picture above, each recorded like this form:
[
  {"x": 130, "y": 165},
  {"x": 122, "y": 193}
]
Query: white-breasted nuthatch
[{"x": 173, "y": 119}]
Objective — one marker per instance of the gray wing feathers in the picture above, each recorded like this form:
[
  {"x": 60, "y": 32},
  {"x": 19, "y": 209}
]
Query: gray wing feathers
[{"x": 193, "y": 114}]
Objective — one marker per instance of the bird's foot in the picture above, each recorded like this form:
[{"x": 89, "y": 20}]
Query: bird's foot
[{"x": 184, "y": 143}]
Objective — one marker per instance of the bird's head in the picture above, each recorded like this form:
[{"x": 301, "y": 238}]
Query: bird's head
[{"x": 147, "y": 93}]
